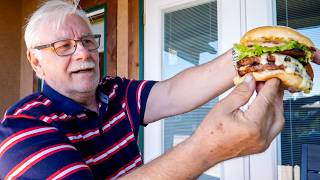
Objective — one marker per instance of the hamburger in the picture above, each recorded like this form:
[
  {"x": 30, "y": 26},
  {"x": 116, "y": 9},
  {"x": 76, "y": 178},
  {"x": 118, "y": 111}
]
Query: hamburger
[{"x": 275, "y": 52}]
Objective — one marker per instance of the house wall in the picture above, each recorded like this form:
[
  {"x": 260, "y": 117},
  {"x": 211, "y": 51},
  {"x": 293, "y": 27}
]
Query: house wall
[
  {"x": 111, "y": 36},
  {"x": 9, "y": 53},
  {"x": 16, "y": 76},
  {"x": 28, "y": 81},
  {"x": 122, "y": 36}
]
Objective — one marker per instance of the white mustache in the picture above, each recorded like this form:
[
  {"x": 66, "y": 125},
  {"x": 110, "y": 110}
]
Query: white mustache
[{"x": 82, "y": 66}]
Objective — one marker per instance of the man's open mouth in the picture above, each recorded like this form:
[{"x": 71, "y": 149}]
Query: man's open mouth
[{"x": 83, "y": 70}]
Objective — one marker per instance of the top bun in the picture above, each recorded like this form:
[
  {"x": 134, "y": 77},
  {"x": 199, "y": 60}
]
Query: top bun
[{"x": 274, "y": 34}]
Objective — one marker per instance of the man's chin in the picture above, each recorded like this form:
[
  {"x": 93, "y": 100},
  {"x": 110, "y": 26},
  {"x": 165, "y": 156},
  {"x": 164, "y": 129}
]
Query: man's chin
[
  {"x": 86, "y": 88},
  {"x": 85, "y": 85}
]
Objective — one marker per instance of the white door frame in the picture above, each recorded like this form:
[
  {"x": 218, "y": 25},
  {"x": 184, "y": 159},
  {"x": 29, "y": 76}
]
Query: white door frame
[{"x": 234, "y": 18}]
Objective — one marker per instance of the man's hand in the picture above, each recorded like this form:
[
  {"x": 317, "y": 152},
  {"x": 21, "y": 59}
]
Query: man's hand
[
  {"x": 228, "y": 131},
  {"x": 316, "y": 57}
]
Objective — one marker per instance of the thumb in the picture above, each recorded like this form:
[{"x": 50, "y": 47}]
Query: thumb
[
  {"x": 240, "y": 95},
  {"x": 268, "y": 95}
]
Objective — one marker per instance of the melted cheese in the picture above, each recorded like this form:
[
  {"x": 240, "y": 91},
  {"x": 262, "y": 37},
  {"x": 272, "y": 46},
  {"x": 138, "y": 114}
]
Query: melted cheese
[
  {"x": 280, "y": 60},
  {"x": 263, "y": 58},
  {"x": 291, "y": 66}
]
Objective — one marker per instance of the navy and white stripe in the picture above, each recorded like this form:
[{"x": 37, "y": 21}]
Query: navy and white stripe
[{"x": 49, "y": 133}]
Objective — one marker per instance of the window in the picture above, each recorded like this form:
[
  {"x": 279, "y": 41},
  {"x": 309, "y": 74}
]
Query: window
[
  {"x": 302, "y": 111},
  {"x": 97, "y": 18},
  {"x": 190, "y": 39}
]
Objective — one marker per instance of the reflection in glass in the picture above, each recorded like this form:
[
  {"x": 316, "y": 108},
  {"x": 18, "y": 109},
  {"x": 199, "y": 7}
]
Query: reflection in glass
[
  {"x": 190, "y": 39},
  {"x": 302, "y": 111}
]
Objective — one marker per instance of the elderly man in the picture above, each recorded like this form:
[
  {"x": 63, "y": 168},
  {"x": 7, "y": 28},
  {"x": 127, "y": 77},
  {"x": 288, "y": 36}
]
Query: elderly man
[{"x": 80, "y": 128}]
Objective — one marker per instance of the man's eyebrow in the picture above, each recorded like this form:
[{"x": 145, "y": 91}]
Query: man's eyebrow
[
  {"x": 86, "y": 34},
  {"x": 63, "y": 38}
]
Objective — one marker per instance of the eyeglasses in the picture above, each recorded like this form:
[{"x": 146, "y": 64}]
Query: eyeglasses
[{"x": 68, "y": 46}]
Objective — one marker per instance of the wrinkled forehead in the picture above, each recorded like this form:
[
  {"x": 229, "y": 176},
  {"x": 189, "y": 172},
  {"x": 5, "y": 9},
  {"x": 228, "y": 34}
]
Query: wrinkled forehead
[{"x": 71, "y": 27}]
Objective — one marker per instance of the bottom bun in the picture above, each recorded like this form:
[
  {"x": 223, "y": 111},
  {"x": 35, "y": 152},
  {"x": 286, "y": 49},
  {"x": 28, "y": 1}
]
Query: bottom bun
[{"x": 289, "y": 80}]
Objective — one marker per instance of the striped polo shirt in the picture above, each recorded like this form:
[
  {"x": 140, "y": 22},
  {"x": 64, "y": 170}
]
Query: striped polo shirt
[{"x": 48, "y": 135}]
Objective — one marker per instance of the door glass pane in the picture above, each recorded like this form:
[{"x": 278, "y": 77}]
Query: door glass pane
[
  {"x": 302, "y": 111},
  {"x": 97, "y": 20},
  {"x": 190, "y": 39}
]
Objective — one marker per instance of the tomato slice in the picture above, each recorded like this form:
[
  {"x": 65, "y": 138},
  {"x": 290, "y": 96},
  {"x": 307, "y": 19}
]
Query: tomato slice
[{"x": 310, "y": 70}]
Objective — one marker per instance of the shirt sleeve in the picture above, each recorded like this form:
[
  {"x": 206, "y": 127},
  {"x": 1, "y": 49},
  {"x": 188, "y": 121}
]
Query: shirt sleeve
[
  {"x": 32, "y": 149},
  {"x": 131, "y": 93},
  {"x": 137, "y": 93}
]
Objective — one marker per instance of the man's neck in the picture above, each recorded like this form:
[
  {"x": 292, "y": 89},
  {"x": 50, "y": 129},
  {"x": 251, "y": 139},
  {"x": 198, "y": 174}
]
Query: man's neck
[
  {"x": 89, "y": 101},
  {"x": 86, "y": 99}
]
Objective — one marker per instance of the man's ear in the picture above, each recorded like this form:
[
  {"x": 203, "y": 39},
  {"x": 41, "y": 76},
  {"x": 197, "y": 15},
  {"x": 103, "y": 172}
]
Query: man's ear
[{"x": 35, "y": 63}]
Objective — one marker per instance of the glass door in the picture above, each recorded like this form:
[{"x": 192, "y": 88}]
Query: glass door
[
  {"x": 184, "y": 33},
  {"x": 301, "y": 110},
  {"x": 180, "y": 34},
  {"x": 190, "y": 38}
]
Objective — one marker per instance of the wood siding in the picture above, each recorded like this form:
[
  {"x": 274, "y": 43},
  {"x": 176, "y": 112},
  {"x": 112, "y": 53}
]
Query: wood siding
[{"x": 122, "y": 36}]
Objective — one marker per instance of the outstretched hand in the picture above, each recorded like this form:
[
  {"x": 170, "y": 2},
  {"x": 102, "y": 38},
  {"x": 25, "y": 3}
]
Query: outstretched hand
[{"x": 238, "y": 132}]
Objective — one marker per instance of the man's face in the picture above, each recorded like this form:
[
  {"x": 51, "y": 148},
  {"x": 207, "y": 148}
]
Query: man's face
[{"x": 73, "y": 74}]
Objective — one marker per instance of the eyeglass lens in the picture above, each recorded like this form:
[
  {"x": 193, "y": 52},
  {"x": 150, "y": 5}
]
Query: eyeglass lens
[{"x": 68, "y": 47}]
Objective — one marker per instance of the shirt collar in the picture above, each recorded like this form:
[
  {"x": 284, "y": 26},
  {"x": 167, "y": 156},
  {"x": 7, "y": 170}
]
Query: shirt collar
[{"x": 62, "y": 102}]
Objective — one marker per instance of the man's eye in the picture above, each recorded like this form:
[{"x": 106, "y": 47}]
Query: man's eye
[
  {"x": 88, "y": 41},
  {"x": 63, "y": 45},
  {"x": 67, "y": 45}
]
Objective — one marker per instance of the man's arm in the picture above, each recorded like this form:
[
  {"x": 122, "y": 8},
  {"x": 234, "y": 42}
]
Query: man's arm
[
  {"x": 226, "y": 132},
  {"x": 190, "y": 88}
]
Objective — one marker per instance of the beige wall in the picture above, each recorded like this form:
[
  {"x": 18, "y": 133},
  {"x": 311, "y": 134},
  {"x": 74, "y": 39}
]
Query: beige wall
[
  {"x": 27, "y": 83},
  {"x": 16, "y": 77},
  {"x": 10, "y": 18}
]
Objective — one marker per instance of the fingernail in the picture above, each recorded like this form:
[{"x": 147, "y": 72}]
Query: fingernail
[
  {"x": 277, "y": 82},
  {"x": 248, "y": 79}
]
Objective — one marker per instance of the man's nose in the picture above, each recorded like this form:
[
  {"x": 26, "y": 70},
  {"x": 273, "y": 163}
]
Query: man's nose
[{"x": 81, "y": 52}]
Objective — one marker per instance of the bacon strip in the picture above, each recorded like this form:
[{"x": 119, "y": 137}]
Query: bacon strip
[
  {"x": 260, "y": 67},
  {"x": 295, "y": 53},
  {"x": 248, "y": 61}
]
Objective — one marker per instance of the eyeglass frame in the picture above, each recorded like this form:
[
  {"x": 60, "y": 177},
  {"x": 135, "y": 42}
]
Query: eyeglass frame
[{"x": 76, "y": 44}]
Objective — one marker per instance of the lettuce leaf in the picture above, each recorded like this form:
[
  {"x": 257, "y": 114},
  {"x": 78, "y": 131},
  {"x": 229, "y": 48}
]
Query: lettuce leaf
[{"x": 258, "y": 50}]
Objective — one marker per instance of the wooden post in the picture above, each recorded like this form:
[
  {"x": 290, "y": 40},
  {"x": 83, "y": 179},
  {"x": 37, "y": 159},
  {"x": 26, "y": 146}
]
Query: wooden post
[
  {"x": 134, "y": 39},
  {"x": 122, "y": 39}
]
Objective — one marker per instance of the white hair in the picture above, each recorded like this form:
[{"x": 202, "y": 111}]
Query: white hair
[{"x": 51, "y": 13}]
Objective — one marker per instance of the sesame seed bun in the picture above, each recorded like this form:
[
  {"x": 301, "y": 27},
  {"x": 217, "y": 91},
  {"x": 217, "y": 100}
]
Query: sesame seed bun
[
  {"x": 300, "y": 78},
  {"x": 274, "y": 34}
]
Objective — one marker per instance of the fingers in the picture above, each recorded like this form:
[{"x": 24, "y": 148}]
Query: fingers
[
  {"x": 293, "y": 90},
  {"x": 259, "y": 86},
  {"x": 279, "y": 99},
  {"x": 279, "y": 118},
  {"x": 279, "y": 95},
  {"x": 266, "y": 97},
  {"x": 269, "y": 91},
  {"x": 276, "y": 128},
  {"x": 316, "y": 57},
  {"x": 240, "y": 95},
  {"x": 267, "y": 109}
]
